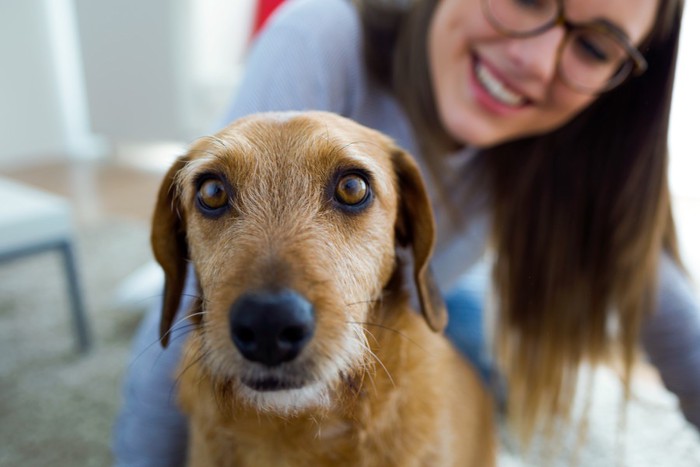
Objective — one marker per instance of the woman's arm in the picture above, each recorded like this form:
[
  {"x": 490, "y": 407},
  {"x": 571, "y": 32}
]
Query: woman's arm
[
  {"x": 150, "y": 429},
  {"x": 307, "y": 58},
  {"x": 671, "y": 337}
]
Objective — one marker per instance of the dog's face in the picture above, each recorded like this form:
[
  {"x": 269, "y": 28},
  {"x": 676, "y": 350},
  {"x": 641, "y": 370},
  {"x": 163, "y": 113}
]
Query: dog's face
[{"x": 291, "y": 222}]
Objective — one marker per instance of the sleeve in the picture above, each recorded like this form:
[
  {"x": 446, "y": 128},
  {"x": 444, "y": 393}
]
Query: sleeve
[
  {"x": 306, "y": 58},
  {"x": 150, "y": 430},
  {"x": 671, "y": 337}
]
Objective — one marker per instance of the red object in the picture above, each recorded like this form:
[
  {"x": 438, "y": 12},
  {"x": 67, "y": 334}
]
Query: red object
[{"x": 264, "y": 10}]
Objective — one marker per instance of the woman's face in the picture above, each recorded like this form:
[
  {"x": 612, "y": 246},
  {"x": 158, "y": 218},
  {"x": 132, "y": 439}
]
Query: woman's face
[{"x": 491, "y": 88}]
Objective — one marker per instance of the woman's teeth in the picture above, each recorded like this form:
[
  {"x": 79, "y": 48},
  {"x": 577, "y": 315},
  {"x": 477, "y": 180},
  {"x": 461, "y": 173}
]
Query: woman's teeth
[{"x": 496, "y": 88}]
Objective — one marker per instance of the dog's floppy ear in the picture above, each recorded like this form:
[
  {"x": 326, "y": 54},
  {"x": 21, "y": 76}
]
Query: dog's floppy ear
[
  {"x": 415, "y": 226},
  {"x": 170, "y": 247}
]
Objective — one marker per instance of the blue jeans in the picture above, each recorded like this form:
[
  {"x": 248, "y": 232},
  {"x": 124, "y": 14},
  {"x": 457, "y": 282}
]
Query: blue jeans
[{"x": 465, "y": 305}]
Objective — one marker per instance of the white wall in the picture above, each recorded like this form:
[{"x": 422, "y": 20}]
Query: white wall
[
  {"x": 160, "y": 69},
  {"x": 42, "y": 101},
  {"x": 218, "y": 39},
  {"x": 77, "y": 74},
  {"x": 131, "y": 61},
  {"x": 684, "y": 141}
]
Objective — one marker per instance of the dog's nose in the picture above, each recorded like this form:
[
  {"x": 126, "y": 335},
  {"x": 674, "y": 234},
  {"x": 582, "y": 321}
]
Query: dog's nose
[{"x": 271, "y": 327}]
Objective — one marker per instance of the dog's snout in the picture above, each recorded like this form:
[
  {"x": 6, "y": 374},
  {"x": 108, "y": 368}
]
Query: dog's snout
[{"x": 271, "y": 327}]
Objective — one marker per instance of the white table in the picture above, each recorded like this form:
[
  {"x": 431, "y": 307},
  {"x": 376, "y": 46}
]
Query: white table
[{"x": 33, "y": 221}]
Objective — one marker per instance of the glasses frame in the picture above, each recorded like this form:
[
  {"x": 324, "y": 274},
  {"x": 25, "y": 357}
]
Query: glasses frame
[{"x": 559, "y": 19}]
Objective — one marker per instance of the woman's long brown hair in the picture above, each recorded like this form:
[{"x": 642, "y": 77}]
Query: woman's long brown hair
[{"x": 580, "y": 215}]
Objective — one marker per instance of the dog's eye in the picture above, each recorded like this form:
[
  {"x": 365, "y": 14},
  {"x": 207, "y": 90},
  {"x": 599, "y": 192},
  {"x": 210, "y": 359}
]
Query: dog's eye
[
  {"x": 212, "y": 195},
  {"x": 352, "y": 190}
]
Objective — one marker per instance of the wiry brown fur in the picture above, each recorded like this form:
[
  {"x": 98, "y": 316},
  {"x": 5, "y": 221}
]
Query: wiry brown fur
[{"x": 380, "y": 386}]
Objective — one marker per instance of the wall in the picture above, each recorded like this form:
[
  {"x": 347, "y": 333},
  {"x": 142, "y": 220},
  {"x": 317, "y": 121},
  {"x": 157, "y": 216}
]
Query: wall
[
  {"x": 131, "y": 67},
  {"x": 684, "y": 142},
  {"x": 42, "y": 101},
  {"x": 160, "y": 69},
  {"x": 81, "y": 77}
]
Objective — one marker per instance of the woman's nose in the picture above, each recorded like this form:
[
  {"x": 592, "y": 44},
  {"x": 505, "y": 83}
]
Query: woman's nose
[{"x": 535, "y": 58}]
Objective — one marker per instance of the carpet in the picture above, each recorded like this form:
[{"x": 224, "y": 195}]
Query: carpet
[{"x": 57, "y": 407}]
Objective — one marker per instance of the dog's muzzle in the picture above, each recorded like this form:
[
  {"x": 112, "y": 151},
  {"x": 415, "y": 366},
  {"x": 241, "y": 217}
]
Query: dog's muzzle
[{"x": 271, "y": 327}]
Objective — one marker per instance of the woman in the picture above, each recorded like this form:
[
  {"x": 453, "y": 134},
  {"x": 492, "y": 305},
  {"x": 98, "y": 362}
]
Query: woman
[{"x": 541, "y": 128}]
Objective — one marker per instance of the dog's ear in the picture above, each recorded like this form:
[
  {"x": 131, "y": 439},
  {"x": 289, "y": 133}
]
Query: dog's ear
[
  {"x": 170, "y": 246},
  {"x": 415, "y": 226}
]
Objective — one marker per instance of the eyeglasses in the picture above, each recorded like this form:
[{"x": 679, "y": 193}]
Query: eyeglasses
[{"x": 593, "y": 57}]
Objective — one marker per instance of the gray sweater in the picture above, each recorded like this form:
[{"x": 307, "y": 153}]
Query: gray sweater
[{"x": 310, "y": 57}]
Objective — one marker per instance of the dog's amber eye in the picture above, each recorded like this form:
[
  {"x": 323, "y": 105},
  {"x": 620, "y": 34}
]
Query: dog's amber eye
[
  {"x": 351, "y": 190},
  {"x": 212, "y": 195}
]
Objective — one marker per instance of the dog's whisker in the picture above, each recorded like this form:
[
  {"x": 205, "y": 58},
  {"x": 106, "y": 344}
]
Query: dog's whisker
[
  {"x": 379, "y": 360},
  {"x": 198, "y": 296},
  {"x": 362, "y": 339},
  {"x": 367, "y": 372},
  {"x": 170, "y": 332},
  {"x": 202, "y": 355},
  {"x": 157, "y": 341},
  {"x": 359, "y": 327},
  {"x": 146, "y": 349},
  {"x": 186, "y": 330},
  {"x": 186, "y": 326},
  {"x": 371, "y": 334},
  {"x": 387, "y": 328},
  {"x": 185, "y": 318}
]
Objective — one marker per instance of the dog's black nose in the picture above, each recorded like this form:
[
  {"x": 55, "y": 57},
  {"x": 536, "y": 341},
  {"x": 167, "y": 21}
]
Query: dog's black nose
[{"x": 271, "y": 327}]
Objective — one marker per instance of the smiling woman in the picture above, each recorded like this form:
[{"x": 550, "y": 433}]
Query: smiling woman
[{"x": 577, "y": 183}]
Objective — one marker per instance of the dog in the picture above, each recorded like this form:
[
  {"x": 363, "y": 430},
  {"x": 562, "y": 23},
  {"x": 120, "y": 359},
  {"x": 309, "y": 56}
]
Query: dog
[{"x": 305, "y": 349}]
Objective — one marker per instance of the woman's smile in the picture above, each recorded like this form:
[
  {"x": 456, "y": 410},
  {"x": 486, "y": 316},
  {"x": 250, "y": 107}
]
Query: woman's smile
[
  {"x": 493, "y": 92},
  {"x": 491, "y": 87}
]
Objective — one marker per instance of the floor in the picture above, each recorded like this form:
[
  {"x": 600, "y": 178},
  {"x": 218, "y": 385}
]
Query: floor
[{"x": 97, "y": 190}]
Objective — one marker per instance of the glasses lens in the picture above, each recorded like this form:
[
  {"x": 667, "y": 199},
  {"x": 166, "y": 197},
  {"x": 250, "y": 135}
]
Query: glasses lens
[
  {"x": 594, "y": 60},
  {"x": 520, "y": 16}
]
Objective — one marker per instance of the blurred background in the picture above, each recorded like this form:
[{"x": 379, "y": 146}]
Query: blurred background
[{"x": 97, "y": 97}]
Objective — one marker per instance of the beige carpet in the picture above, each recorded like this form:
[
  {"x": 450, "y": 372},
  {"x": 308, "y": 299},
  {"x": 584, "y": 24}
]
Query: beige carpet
[{"x": 57, "y": 408}]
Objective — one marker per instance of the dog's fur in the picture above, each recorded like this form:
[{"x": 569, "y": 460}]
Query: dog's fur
[{"x": 375, "y": 386}]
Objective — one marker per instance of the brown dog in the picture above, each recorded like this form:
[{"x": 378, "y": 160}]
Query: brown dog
[{"x": 306, "y": 352}]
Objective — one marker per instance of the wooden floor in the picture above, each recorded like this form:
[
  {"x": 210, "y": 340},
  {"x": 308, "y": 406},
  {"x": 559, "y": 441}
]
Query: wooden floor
[{"x": 97, "y": 190}]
